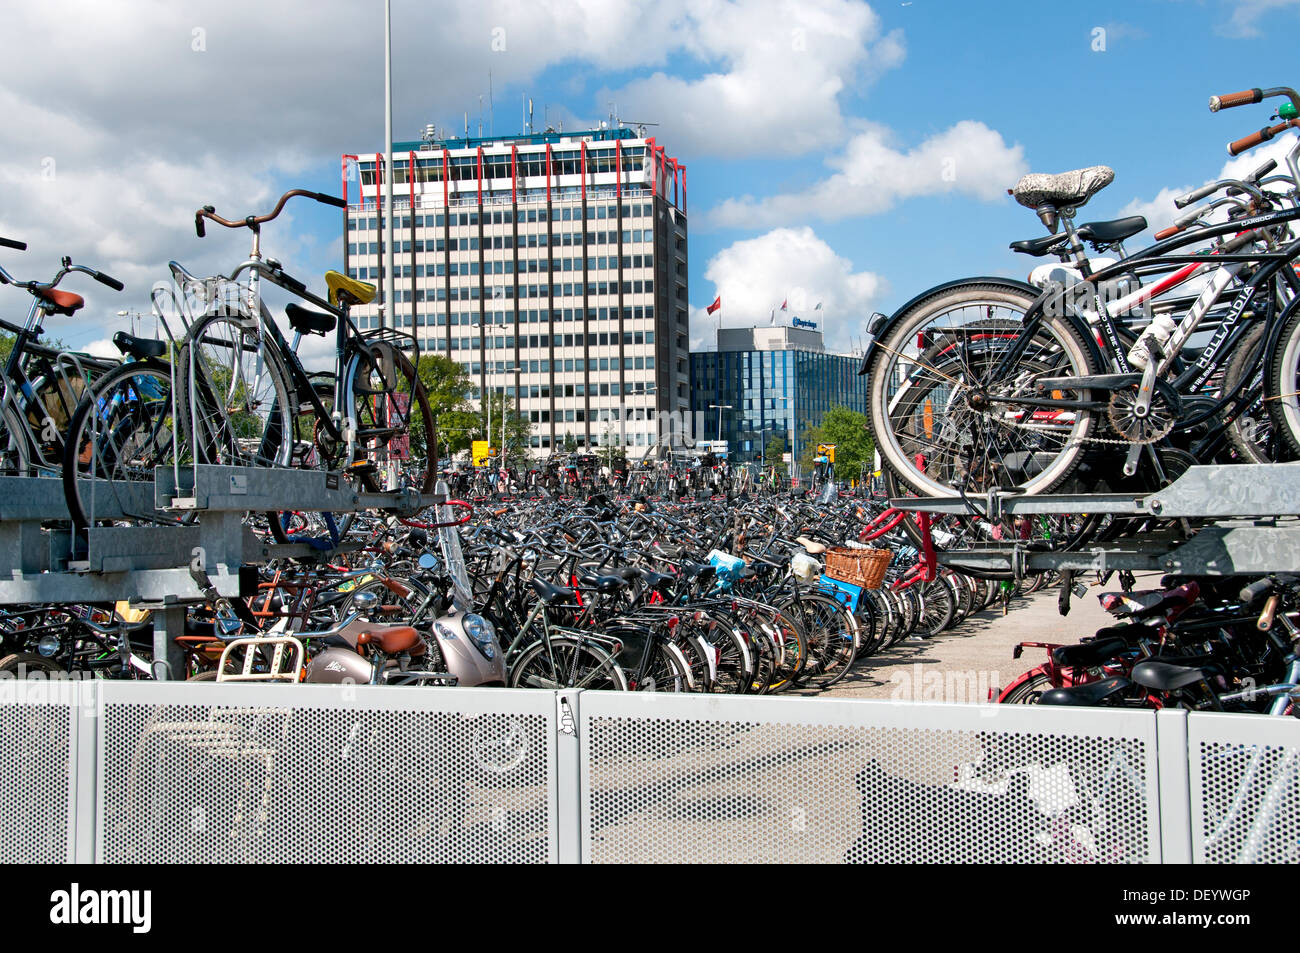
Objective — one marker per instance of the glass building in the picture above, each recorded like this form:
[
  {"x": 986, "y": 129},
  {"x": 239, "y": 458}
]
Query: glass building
[{"x": 768, "y": 382}]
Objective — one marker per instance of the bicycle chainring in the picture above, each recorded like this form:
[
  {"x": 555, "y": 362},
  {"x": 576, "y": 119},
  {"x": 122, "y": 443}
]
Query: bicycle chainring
[{"x": 1156, "y": 425}]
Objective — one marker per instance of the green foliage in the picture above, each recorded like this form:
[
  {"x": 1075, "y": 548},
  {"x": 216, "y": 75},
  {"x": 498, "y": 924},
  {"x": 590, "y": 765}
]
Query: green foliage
[
  {"x": 845, "y": 428},
  {"x": 773, "y": 455},
  {"x": 570, "y": 443},
  {"x": 518, "y": 429}
]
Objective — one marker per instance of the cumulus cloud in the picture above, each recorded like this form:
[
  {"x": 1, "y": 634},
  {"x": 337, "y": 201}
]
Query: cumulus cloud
[
  {"x": 1246, "y": 14},
  {"x": 755, "y": 275},
  {"x": 872, "y": 175},
  {"x": 120, "y": 120},
  {"x": 1160, "y": 210},
  {"x": 778, "y": 69}
]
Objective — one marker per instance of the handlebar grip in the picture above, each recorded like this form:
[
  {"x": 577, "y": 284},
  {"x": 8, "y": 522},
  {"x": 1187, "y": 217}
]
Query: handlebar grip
[
  {"x": 198, "y": 225},
  {"x": 13, "y": 243},
  {"x": 1238, "y": 146},
  {"x": 109, "y": 280},
  {"x": 1254, "y": 139},
  {"x": 1196, "y": 195},
  {"x": 329, "y": 200},
  {"x": 1265, "y": 620},
  {"x": 1256, "y": 589},
  {"x": 1262, "y": 171},
  {"x": 1169, "y": 232},
  {"x": 1243, "y": 98}
]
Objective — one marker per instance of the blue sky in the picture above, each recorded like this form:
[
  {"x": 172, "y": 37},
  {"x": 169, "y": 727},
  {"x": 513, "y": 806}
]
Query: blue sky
[{"x": 838, "y": 151}]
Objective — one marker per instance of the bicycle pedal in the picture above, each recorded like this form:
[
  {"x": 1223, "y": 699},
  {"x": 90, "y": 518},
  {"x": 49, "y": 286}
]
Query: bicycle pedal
[{"x": 362, "y": 468}]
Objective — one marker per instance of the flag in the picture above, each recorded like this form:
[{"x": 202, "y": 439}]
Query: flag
[
  {"x": 819, "y": 306},
  {"x": 717, "y": 303},
  {"x": 784, "y": 303}
]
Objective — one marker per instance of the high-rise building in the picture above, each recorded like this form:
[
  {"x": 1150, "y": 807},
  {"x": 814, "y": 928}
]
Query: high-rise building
[
  {"x": 550, "y": 265},
  {"x": 770, "y": 382}
]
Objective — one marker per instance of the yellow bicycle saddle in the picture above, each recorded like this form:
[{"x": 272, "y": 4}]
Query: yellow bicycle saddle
[{"x": 358, "y": 292}]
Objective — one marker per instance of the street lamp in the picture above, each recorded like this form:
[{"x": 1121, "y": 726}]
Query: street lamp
[{"x": 720, "y": 408}]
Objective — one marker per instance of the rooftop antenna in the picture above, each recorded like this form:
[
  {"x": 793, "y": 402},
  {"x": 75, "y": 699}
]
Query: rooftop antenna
[
  {"x": 530, "y": 116},
  {"x": 467, "y": 125}
]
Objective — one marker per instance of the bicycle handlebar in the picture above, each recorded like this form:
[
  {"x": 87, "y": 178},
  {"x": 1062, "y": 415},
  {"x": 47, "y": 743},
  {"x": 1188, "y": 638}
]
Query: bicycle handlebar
[
  {"x": 1229, "y": 100},
  {"x": 1237, "y": 147},
  {"x": 13, "y": 243},
  {"x": 252, "y": 221}
]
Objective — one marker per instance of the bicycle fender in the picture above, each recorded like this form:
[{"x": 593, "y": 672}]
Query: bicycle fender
[{"x": 880, "y": 325}]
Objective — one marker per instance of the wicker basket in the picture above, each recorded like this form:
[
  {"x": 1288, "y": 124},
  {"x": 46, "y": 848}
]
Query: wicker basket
[{"x": 862, "y": 567}]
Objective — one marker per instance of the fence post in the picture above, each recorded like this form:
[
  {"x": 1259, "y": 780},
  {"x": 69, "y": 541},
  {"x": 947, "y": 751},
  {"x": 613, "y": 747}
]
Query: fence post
[
  {"x": 568, "y": 784},
  {"x": 1174, "y": 786},
  {"x": 87, "y": 714}
]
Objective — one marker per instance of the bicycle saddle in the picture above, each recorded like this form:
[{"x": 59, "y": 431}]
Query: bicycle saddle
[
  {"x": 549, "y": 593},
  {"x": 1087, "y": 694},
  {"x": 604, "y": 583},
  {"x": 138, "y": 348},
  {"x": 1066, "y": 188},
  {"x": 811, "y": 545},
  {"x": 1088, "y": 654},
  {"x": 1116, "y": 230},
  {"x": 60, "y": 302},
  {"x": 1164, "y": 677},
  {"x": 355, "y": 292},
  {"x": 393, "y": 639},
  {"x": 1038, "y": 247},
  {"x": 305, "y": 321}
]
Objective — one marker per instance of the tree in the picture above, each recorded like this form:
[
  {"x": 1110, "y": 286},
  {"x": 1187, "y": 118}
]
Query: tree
[
  {"x": 774, "y": 455},
  {"x": 448, "y": 389},
  {"x": 518, "y": 429},
  {"x": 845, "y": 428}
]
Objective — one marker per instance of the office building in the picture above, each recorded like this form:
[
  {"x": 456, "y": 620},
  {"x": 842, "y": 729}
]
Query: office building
[
  {"x": 764, "y": 382},
  {"x": 550, "y": 265}
]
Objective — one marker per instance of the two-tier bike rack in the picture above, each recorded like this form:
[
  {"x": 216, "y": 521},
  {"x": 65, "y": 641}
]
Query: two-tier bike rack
[{"x": 168, "y": 565}]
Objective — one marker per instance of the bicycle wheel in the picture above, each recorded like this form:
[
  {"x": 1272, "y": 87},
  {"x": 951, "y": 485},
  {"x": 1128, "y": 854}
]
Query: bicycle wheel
[
  {"x": 388, "y": 408},
  {"x": 1027, "y": 692},
  {"x": 940, "y": 420},
  {"x": 236, "y": 406},
  {"x": 832, "y": 634},
  {"x": 940, "y": 606},
  {"x": 1282, "y": 390},
  {"x": 792, "y": 652},
  {"x": 117, "y": 436},
  {"x": 663, "y": 672},
  {"x": 567, "y": 663}
]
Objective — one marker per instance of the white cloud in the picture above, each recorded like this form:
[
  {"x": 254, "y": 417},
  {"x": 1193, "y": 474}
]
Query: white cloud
[
  {"x": 872, "y": 175},
  {"x": 754, "y": 276},
  {"x": 780, "y": 69},
  {"x": 1244, "y": 23},
  {"x": 145, "y": 111},
  {"x": 1160, "y": 210}
]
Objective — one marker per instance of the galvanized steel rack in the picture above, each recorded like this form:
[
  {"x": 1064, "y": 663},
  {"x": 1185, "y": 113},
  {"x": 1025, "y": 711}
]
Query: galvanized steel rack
[
  {"x": 1252, "y": 511},
  {"x": 166, "y": 565}
]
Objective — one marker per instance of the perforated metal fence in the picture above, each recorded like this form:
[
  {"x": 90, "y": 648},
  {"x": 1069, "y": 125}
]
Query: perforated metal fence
[
  {"x": 1245, "y": 789},
  {"x": 165, "y": 773},
  {"x": 319, "y": 774},
  {"x": 38, "y": 757},
  {"x": 771, "y": 779}
]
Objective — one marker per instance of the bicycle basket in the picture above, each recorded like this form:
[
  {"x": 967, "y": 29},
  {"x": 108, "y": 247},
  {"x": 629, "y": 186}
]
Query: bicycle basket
[{"x": 862, "y": 567}]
